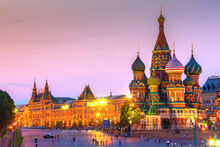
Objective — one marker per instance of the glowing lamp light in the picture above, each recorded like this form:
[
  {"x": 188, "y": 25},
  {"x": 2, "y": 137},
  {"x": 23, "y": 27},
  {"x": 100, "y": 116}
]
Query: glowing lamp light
[
  {"x": 212, "y": 142},
  {"x": 129, "y": 96},
  {"x": 98, "y": 114},
  {"x": 103, "y": 102},
  {"x": 16, "y": 110},
  {"x": 64, "y": 107},
  {"x": 217, "y": 143},
  {"x": 10, "y": 127}
]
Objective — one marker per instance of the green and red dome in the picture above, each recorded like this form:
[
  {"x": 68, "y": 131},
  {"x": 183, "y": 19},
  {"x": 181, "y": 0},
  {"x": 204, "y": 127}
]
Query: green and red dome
[
  {"x": 188, "y": 81},
  {"x": 138, "y": 65},
  {"x": 192, "y": 67}
]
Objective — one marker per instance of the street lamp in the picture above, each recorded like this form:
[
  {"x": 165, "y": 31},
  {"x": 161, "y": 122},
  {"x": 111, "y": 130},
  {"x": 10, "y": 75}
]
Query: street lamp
[{"x": 214, "y": 142}]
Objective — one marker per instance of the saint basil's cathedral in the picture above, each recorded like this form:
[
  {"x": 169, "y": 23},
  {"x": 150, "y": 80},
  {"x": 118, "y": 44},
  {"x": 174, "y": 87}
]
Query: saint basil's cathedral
[{"x": 165, "y": 100}]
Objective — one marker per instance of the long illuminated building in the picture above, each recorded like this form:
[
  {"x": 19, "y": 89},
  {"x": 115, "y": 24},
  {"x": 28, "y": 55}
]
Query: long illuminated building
[{"x": 45, "y": 110}]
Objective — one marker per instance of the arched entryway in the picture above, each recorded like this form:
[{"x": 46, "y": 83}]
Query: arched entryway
[
  {"x": 36, "y": 123},
  {"x": 165, "y": 123}
]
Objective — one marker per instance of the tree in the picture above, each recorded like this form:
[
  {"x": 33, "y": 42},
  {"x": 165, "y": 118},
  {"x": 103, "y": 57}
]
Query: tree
[
  {"x": 128, "y": 112},
  {"x": 7, "y": 108}
]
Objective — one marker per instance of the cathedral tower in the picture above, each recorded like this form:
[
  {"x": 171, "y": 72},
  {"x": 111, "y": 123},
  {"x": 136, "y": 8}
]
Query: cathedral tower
[
  {"x": 47, "y": 94},
  {"x": 154, "y": 83},
  {"x": 189, "y": 96},
  {"x": 175, "y": 89},
  {"x": 161, "y": 53},
  {"x": 193, "y": 69},
  {"x": 34, "y": 97},
  {"x": 160, "y": 57},
  {"x": 138, "y": 86}
]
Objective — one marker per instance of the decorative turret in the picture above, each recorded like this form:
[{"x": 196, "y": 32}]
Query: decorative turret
[
  {"x": 34, "y": 97},
  {"x": 160, "y": 57},
  {"x": 47, "y": 94},
  {"x": 175, "y": 89},
  {"x": 138, "y": 86},
  {"x": 188, "y": 81},
  {"x": 138, "y": 65},
  {"x": 174, "y": 65},
  {"x": 153, "y": 80},
  {"x": 189, "y": 97},
  {"x": 154, "y": 83},
  {"x": 87, "y": 94},
  {"x": 161, "y": 43},
  {"x": 193, "y": 69}
]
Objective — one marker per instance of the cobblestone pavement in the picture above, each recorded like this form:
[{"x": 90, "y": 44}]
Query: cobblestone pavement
[{"x": 85, "y": 139}]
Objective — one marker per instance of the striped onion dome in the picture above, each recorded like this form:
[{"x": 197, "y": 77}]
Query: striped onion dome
[
  {"x": 188, "y": 81},
  {"x": 192, "y": 67},
  {"x": 138, "y": 65},
  {"x": 174, "y": 65}
]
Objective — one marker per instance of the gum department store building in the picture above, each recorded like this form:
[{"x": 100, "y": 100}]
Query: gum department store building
[{"x": 164, "y": 99}]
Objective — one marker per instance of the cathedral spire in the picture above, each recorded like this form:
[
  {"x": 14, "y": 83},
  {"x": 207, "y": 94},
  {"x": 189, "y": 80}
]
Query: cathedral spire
[
  {"x": 46, "y": 84},
  {"x": 173, "y": 49},
  {"x": 161, "y": 43},
  {"x": 34, "y": 92},
  {"x": 192, "y": 49},
  {"x": 35, "y": 87}
]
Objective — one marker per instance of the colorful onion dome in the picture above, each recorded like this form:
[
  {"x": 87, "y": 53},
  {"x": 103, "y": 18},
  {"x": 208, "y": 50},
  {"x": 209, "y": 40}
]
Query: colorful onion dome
[
  {"x": 154, "y": 79},
  {"x": 192, "y": 67},
  {"x": 174, "y": 65},
  {"x": 188, "y": 81},
  {"x": 138, "y": 65}
]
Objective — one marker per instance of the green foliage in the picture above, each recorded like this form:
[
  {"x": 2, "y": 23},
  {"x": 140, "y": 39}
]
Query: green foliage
[
  {"x": 208, "y": 123},
  {"x": 129, "y": 113},
  {"x": 7, "y": 108}
]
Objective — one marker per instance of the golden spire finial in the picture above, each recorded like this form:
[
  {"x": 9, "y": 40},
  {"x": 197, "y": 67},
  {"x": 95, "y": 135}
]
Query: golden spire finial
[
  {"x": 173, "y": 48},
  {"x": 192, "y": 49},
  {"x": 160, "y": 9},
  {"x": 138, "y": 47}
]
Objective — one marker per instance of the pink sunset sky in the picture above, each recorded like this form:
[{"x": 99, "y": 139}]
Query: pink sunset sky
[{"x": 78, "y": 42}]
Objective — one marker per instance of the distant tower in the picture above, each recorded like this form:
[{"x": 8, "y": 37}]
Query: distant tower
[
  {"x": 87, "y": 94},
  {"x": 161, "y": 56},
  {"x": 47, "y": 95},
  {"x": 175, "y": 89},
  {"x": 193, "y": 69},
  {"x": 154, "y": 83},
  {"x": 138, "y": 86},
  {"x": 34, "y": 97}
]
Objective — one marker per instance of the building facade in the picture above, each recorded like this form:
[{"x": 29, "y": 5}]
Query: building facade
[
  {"x": 46, "y": 110},
  {"x": 176, "y": 103},
  {"x": 210, "y": 93}
]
